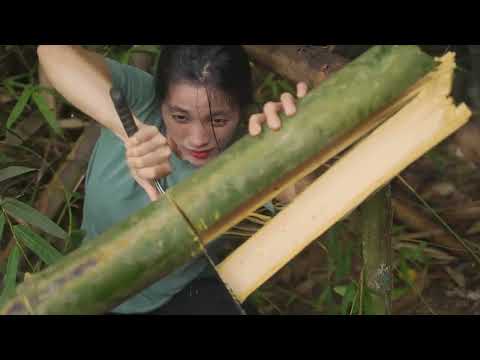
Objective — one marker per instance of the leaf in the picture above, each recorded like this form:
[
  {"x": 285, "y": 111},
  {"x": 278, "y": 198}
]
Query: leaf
[
  {"x": 13, "y": 171},
  {"x": 10, "y": 278},
  {"x": 348, "y": 298},
  {"x": 284, "y": 85},
  {"x": 48, "y": 114},
  {"x": 399, "y": 292},
  {"x": 474, "y": 229},
  {"x": 76, "y": 238},
  {"x": 340, "y": 290},
  {"x": 37, "y": 244},
  {"x": 4, "y": 159},
  {"x": 19, "y": 106},
  {"x": 33, "y": 217},
  {"x": 125, "y": 57},
  {"x": 2, "y": 225},
  {"x": 151, "y": 49},
  {"x": 368, "y": 305}
]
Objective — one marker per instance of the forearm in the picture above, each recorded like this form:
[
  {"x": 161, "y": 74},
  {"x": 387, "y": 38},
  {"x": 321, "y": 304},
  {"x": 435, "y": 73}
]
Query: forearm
[{"x": 83, "y": 78}]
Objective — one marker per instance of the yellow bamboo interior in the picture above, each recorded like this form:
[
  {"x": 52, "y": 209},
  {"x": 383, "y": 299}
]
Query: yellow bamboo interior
[{"x": 419, "y": 126}]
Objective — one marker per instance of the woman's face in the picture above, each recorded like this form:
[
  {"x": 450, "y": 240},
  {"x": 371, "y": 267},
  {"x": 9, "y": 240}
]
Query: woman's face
[{"x": 192, "y": 123}]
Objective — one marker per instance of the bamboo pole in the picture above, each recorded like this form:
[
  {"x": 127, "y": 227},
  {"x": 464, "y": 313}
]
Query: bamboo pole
[
  {"x": 172, "y": 231},
  {"x": 372, "y": 164},
  {"x": 375, "y": 225},
  {"x": 331, "y": 117}
]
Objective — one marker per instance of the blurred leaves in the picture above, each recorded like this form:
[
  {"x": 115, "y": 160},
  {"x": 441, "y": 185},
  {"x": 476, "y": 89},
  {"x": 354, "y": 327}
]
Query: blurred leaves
[
  {"x": 13, "y": 171},
  {"x": 37, "y": 244},
  {"x": 2, "y": 226},
  {"x": 10, "y": 278},
  {"x": 48, "y": 114},
  {"x": 20, "y": 106},
  {"x": 22, "y": 211}
]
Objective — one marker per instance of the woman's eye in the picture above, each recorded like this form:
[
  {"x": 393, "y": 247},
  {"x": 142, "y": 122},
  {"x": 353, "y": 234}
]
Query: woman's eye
[
  {"x": 219, "y": 122},
  {"x": 179, "y": 118}
]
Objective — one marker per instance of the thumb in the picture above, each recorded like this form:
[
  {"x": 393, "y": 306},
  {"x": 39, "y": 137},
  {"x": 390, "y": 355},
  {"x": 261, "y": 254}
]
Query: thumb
[
  {"x": 150, "y": 190},
  {"x": 173, "y": 146}
]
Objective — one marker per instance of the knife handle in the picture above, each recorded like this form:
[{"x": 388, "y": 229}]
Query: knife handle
[{"x": 123, "y": 112}]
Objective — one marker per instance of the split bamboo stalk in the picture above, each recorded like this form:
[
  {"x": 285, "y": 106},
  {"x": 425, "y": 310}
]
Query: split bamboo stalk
[
  {"x": 169, "y": 233},
  {"x": 414, "y": 130}
]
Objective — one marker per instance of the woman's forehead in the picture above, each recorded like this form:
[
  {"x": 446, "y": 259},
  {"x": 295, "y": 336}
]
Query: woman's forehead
[{"x": 189, "y": 98}]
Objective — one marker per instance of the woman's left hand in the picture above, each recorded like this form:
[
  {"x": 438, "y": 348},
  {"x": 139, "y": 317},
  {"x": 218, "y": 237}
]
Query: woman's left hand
[{"x": 271, "y": 110}]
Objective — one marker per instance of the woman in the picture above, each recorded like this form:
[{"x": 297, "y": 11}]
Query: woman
[{"x": 186, "y": 116}]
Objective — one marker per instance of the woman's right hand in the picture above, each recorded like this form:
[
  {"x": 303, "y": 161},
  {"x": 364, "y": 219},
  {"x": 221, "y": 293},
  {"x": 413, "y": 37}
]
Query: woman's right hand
[{"x": 148, "y": 153}]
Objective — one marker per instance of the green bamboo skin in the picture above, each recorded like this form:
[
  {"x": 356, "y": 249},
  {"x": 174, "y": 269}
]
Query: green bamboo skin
[
  {"x": 108, "y": 270},
  {"x": 328, "y": 112},
  {"x": 157, "y": 240}
]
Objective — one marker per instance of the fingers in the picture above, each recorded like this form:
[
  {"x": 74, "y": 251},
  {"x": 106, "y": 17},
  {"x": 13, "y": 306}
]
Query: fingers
[
  {"x": 148, "y": 153},
  {"x": 302, "y": 89},
  {"x": 154, "y": 172},
  {"x": 255, "y": 124},
  {"x": 150, "y": 159},
  {"x": 288, "y": 103},
  {"x": 156, "y": 143},
  {"x": 271, "y": 110},
  {"x": 151, "y": 191},
  {"x": 173, "y": 146},
  {"x": 149, "y": 188},
  {"x": 144, "y": 133}
]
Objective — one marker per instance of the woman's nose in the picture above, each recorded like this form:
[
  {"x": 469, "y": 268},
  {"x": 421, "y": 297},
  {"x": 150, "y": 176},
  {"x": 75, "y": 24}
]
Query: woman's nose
[{"x": 200, "y": 135}]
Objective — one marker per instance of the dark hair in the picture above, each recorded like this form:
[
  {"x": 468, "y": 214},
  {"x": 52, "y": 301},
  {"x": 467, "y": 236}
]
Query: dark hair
[{"x": 222, "y": 67}]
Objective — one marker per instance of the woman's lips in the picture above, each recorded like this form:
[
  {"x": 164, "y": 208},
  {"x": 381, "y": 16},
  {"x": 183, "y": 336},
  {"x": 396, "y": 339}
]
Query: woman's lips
[{"x": 200, "y": 154}]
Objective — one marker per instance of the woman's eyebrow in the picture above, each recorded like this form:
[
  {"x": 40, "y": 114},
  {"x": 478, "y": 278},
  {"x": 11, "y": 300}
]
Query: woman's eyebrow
[
  {"x": 177, "y": 109},
  {"x": 220, "y": 113}
]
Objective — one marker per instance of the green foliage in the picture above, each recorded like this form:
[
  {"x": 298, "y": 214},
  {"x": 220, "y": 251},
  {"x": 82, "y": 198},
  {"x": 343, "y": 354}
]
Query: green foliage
[
  {"x": 20, "y": 106},
  {"x": 19, "y": 221},
  {"x": 47, "y": 113},
  {"x": 10, "y": 278},
  {"x": 13, "y": 171},
  {"x": 24, "y": 212},
  {"x": 37, "y": 244},
  {"x": 2, "y": 226}
]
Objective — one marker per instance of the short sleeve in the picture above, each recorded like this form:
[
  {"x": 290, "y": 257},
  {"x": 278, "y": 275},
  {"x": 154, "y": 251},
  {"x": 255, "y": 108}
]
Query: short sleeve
[{"x": 138, "y": 88}]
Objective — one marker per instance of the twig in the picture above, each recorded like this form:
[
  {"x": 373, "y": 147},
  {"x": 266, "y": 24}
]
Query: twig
[{"x": 449, "y": 229}]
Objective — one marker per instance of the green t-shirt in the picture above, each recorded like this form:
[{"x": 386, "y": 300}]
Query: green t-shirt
[{"x": 112, "y": 194}]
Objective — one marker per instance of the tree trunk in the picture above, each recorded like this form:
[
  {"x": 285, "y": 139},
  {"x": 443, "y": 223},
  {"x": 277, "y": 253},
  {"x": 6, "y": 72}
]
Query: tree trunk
[
  {"x": 69, "y": 174},
  {"x": 312, "y": 64},
  {"x": 158, "y": 239}
]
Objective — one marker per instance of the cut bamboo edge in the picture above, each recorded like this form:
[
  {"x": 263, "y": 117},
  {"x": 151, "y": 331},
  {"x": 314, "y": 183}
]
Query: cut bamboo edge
[{"x": 427, "y": 116}]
